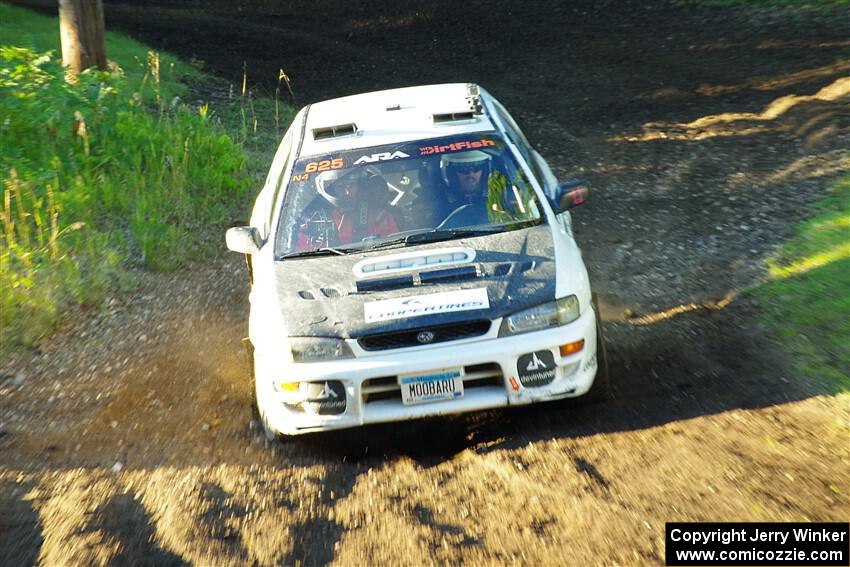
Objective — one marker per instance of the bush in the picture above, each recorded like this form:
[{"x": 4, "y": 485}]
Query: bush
[{"x": 98, "y": 177}]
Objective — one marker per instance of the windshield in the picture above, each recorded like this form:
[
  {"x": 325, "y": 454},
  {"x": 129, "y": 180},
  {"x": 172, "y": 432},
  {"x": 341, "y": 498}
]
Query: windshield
[{"x": 404, "y": 194}]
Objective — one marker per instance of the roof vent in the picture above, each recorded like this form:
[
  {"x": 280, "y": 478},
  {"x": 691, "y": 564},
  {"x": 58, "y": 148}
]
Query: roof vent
[
  {"x": 328, "y": 132},
  {"x": 453, "y": 117}
]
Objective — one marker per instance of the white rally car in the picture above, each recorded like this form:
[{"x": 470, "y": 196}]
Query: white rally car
[{"x": 411, "y": 255}]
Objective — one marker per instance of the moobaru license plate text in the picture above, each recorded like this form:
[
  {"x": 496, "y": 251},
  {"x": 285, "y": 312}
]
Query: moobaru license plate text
[{"x": 445, "y": 384}]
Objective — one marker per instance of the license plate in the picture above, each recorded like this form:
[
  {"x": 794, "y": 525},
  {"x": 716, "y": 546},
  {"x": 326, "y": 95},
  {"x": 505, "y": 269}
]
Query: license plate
[{"x": 435, "y": 386}]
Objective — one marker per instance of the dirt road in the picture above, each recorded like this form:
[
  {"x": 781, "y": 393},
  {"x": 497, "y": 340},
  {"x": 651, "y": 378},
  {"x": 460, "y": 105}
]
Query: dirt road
[{"x": 128, "y": 438}]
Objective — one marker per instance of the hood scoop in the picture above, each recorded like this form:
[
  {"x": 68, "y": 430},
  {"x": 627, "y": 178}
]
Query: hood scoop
[
  {"x": 423, "y": 278},
  {"x": 410, "y": 261}
]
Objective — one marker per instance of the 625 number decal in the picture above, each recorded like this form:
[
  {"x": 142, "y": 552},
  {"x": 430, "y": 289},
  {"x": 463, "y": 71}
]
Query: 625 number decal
[{"x": 323, "y": 165}]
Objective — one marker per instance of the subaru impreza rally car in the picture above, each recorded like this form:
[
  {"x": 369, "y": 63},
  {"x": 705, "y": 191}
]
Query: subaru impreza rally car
[{"x": 412, "y": 255}]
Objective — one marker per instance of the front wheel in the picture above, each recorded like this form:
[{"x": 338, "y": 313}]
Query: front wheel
[
  {"x": 600, "y": 390},
  {"x": 270, "y": 435},
  {"x": 256, "y": 414}
]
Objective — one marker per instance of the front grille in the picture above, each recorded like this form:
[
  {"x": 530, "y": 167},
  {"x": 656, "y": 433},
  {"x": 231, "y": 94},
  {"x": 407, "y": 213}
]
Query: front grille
[
  {"x": 474, "y": 376},
  {"x": 442, "y": 333}
]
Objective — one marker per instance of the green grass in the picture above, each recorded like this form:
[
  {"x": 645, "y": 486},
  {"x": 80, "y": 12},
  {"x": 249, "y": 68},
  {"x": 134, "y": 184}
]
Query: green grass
[
  {"x": 110, "y": 174},
  {"x": 807, "y": 298}
]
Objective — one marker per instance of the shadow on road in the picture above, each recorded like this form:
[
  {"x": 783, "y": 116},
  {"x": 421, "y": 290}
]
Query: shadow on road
[
  {"x": 719, "y": 361},
  {"x": 20, "y": 528}
]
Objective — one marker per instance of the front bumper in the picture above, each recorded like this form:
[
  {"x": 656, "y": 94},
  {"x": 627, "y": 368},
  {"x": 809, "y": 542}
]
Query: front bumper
[{"x": 372, "y": 394}]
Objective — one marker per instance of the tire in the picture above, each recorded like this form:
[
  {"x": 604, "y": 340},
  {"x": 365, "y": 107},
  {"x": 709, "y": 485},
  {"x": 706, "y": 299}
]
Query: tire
[
  {"x": 600, "y": 390},
  {"x": 256, "y": 415},
  {"x": 270, "y": 435}
]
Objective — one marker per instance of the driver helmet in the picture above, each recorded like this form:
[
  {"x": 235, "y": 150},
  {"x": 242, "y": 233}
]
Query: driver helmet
[
  {"x": 331, "y": 185},
  {"x": 451, "y": 163}
]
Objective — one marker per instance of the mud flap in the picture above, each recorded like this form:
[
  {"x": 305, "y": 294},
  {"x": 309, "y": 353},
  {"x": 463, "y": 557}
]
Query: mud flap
[
  {"x": 250, "y": 266},
  {"x": 249, "y": 352}
]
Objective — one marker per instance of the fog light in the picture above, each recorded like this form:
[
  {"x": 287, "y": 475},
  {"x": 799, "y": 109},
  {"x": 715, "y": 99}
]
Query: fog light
[
  {"x": 287, "y": 386},
  {"x": 571, "y": 348}
]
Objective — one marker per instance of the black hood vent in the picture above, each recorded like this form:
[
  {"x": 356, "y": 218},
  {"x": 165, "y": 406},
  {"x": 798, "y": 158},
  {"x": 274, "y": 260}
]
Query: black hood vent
[
  {"x": 331, "y": 292},
  {"x": 384, "y": 284},
  {"x": 449, "y": 275}
]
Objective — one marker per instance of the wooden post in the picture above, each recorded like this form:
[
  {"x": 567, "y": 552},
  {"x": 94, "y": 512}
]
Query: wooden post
[{"x": 82, "y": 32}]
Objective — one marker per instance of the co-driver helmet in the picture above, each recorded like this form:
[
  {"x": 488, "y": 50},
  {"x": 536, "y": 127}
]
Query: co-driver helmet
[{"x": 330, "y": 185}]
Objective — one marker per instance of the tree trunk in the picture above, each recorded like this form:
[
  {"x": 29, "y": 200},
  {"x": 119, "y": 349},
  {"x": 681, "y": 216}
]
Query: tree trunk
[{"x": 82, "y": 30}]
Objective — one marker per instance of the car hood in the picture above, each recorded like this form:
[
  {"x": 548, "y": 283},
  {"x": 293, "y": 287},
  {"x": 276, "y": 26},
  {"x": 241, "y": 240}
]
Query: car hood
[{"x": 322, "y": 296}]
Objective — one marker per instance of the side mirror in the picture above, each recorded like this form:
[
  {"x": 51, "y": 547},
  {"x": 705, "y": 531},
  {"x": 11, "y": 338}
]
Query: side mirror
[
  {"x": 243, "y": 239},
  {"x": 570, "y": 194}
]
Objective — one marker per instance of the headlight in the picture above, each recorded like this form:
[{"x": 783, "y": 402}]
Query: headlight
[
  {"x": 316, "y": 349},
  {"x": 552, "y": 314}
]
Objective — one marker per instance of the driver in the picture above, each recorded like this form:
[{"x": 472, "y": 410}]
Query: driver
[
  {"x": 354, "y": 207},
  {"x": 466, "y": 175}
]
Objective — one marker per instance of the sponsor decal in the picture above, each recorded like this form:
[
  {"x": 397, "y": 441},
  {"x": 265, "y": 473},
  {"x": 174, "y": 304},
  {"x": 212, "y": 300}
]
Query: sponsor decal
[
  {"x": 433, "y": 304},
  {"x": 536, "y": 368},
  {"x": 324, "y": 165},
  {"x": 455, "y": 147},
  {"x": 325, "y": 398},
  {"x": 383, "y": 156},
  {"x": 591, "y": 363},
  {"x": 326, "y": 393},
  {"x": 514, "y": 384}
]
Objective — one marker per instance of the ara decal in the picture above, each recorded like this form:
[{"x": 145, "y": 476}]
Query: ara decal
[{"x": 383, "y": 156}]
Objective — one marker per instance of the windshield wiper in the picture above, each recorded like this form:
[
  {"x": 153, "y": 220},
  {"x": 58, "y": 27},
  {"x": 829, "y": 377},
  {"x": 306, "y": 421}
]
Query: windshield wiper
[
  {"x": 437, "y": 235},
  {"x": 432, "y": 235},
  {"x": 386, "y": 244},
  {"x": 319, "y": 252}
]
